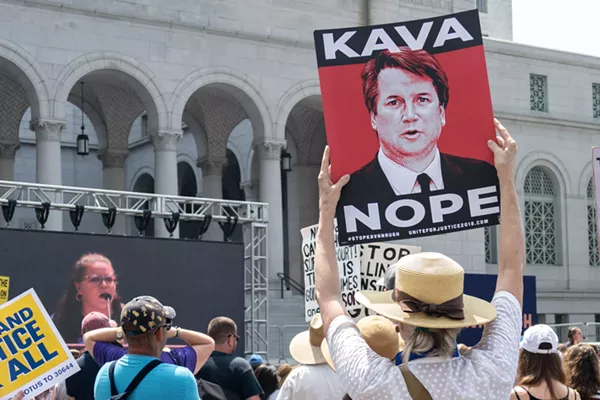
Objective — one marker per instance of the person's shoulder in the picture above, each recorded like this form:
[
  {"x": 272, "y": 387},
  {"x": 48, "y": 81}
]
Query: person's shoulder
[
  {"x": 176, "y": 371},
  {"x": 466, "y": 164},
  {"x": 241, "y": 363}
]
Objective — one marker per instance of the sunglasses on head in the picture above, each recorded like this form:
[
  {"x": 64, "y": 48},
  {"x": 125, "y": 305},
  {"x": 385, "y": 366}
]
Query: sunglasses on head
[{"x": 98, "y": 279}]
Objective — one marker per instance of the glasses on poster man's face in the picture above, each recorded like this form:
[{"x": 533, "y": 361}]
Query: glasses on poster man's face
[{"x": 98, "y": 279}]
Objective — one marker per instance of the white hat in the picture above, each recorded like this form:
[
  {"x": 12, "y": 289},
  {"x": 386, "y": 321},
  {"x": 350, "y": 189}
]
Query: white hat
[{"x": 540, "y": 339}]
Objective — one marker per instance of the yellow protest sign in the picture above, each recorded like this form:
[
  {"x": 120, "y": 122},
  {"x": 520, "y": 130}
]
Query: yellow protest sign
[
  {"x": 33, "y": 355},
  {"x": 4, "y": 285}
]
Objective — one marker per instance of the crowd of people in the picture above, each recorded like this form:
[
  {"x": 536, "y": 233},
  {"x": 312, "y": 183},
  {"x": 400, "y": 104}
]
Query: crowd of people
[{"x": 407, "y": 350}]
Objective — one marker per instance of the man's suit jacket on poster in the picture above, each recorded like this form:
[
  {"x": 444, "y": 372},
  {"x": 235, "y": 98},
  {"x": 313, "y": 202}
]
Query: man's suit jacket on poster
[{"x": 370, "y": 185}]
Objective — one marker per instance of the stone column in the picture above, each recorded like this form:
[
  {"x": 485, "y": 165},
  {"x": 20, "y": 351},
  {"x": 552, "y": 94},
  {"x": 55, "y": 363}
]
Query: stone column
[
  {"x": 113, "y": 178},
  {"x": 48, "y": 161},
  {"x": 165, "y": 172},
  {"x": 270, "y": 192},
  {"x": 212, "y": 188},
  {"x": 8, "y": 149},
  {"x": 250, "y": 189}
]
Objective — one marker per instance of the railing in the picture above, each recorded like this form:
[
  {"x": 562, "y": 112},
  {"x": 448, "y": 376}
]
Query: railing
[
  {"x": 589, "y": 330},
  {"x": 290, "y": 282},
  {"x": 280, "y": 337}
]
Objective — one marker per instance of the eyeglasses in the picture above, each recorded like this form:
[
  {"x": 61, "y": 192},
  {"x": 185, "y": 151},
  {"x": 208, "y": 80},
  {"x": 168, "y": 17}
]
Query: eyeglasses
[
  {"x": 168, "y": 326},
  {"x": 237, "y": 338},
  {"x": 97, "y": 279}
]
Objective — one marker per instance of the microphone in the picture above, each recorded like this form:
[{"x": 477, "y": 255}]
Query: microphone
[{"x": 108, "y": 298}]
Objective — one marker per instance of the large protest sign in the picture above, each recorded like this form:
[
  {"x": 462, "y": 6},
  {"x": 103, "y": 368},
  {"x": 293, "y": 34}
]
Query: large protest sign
[
  {"x": 33, "y": 355},
  {"x": 408, "y": 114},
  {"x": 375, "y": 260},
  {"x": 348, "y": 258},
  {"x": 596, "y": 169}
]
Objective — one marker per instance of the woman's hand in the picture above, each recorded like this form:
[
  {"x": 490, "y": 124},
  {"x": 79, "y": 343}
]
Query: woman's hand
[
  {"x": 329, "y": 192},
  {"x": 505, "y": 152}
]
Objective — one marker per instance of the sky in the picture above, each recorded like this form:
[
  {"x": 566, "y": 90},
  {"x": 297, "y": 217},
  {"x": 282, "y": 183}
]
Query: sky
[{"x": 569, "y": 25}]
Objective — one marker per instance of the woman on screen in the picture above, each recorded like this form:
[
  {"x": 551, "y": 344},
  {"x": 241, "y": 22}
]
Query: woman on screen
[{"x": 92, "y": 287}]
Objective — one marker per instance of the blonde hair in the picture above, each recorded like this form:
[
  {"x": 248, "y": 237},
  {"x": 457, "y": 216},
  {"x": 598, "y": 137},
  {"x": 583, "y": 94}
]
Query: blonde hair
[{"x": 422, "y": 340}]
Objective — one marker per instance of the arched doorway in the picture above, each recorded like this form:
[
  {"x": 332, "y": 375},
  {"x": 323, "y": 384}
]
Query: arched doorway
[
  {"x": 232, "y": 178},
  {"x": 145, "y": 184},
  {"x": 188, "y": 187}
]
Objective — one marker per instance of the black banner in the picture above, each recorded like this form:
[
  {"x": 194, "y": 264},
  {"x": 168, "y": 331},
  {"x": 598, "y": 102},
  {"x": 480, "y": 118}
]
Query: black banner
[{"x": 435, "y": 35}]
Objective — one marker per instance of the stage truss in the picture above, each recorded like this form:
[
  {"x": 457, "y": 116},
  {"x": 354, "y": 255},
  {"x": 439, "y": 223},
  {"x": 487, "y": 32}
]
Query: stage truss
[{"x": 251, "y": 215}]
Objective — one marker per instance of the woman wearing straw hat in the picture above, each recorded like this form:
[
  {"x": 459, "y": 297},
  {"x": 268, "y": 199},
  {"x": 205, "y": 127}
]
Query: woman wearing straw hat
[
  {"x": 430, "y": 308},
  {"x": 313, "y": 379}
]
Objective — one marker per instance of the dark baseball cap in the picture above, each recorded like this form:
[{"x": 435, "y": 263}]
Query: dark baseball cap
[{"x": 144, "y": 314}]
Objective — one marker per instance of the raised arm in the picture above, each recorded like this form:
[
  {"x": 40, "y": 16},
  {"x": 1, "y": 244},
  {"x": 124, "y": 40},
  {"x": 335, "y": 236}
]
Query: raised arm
[
  {"x": 327, "y": 277},
  {"x": 511, "y": 249}
]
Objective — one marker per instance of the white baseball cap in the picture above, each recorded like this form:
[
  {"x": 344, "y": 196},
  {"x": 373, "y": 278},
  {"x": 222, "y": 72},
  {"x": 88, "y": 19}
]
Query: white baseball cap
[{"x": 540, "y": 339}]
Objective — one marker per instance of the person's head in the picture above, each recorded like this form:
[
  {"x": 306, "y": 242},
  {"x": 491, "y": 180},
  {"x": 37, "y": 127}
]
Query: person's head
[
  {"x": 93, "y": 321},
  {"x": 145, "y": 322},
  {"x": 255, "y": 361},
  {"x": 283, "y": 371},
  {"x": 539, "y": 359},
  {"x": 92, "y": 282},
  {"x": 424, "y": 282},
  {"x": 224, "y": 332},
  {"x": 266, "y": 376},
  {"x": 574, "y": 335},
  {"x": 406, "y": 94},
  {"x": 582, "y": 369}
]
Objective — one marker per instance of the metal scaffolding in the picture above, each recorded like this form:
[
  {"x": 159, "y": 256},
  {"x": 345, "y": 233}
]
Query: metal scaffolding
[{"x": 252, "y": 216}]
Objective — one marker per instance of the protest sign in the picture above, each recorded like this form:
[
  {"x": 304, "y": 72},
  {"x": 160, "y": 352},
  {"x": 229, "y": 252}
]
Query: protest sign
[
  {"x": 4, "y": 287},
  {"x": 408, "y": 114},
  {"x": 33, "y": 356},
  {"x": 596, "y": 169},
  {"x": 348, "y": 258},
  {"x": 375, "y": 259}
]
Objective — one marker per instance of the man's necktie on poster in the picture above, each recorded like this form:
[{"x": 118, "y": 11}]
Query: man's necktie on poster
[{"x": 424, "y": 180}]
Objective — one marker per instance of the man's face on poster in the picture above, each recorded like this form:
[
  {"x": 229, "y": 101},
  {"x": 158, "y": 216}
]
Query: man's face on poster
[{"x": 409, "y": 116}]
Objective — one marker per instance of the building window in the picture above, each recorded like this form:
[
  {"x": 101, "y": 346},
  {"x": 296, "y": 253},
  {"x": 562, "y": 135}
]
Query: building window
[
  {"x": 592, "y": 226},
  {"x": 538, "y": 92},
  {"x": 596, "y": 100},
  {"x": 540, "y": 218},
  {"x": 482, "y": 6},
  {"x": 491, "y": 249},
  {"x": 144, "y": 125}
]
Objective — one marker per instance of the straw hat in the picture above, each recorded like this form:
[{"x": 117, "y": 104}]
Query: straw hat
[
  {"x": 429, "y": 294},
  {"x": 380, "y": 334},
  {"x": 305, "y": 347}
]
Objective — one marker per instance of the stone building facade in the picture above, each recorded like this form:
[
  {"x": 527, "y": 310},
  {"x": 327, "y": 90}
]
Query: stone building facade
[{"x": 200, "y": 99}]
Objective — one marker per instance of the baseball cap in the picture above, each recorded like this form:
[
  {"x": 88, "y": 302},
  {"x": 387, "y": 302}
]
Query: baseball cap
[
  {"x": 255, "y": 359},
  {"x": 540, "y": 339},
  {"x": 144, "y": 314},
  {"x": 94, "y": 320}
]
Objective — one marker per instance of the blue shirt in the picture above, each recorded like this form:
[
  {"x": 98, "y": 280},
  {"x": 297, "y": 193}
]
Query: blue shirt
[{"x": 166, "y": 381}]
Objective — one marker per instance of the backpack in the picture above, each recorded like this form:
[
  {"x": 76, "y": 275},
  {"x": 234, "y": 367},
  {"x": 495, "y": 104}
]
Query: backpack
[
  {"x": 115, "y": 395},
  {"x": 212, "y": 391}
]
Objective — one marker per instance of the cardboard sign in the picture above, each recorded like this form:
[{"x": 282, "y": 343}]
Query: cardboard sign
[
  {"x": 375, "y": 260},
  {"x": 348, "y": 258},
  {"x": 4, "y": 286},
  {"x": 33, "y": 356},
  {"x": 408, "y": 114},
  {"x": 596, "y": 169}
]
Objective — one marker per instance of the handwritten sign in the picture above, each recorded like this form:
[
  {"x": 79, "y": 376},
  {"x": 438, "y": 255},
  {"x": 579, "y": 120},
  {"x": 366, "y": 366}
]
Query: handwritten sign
[
  {"x": 33, "y": 356},
  {"x": 375, "y": 259},
  {"x": 4, "y": 286},
  {"x": 348, "y": 259}
]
